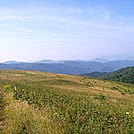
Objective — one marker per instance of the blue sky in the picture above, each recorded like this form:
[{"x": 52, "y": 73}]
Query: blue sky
[{"x": 33, "y": 30}]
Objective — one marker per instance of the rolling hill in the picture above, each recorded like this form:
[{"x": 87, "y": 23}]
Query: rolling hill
[
  {"x": 125, "y": 75},
  {"x": 100, "y": 75},
  {"x": 56, "y": 103}
]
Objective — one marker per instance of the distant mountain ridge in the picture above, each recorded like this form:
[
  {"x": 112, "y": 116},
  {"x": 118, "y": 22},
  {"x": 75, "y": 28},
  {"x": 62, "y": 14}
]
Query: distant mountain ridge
[
  {"x": 68, "y": 66},
  {"x": 11, "y": 62},
  {"x": 100, "y": 60},
  {"x": 50, "y": 61},
  {"x": 62, "y": 61}
]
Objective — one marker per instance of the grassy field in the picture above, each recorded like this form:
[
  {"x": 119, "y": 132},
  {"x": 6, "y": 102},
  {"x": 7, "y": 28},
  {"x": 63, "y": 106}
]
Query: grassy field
[{"x": 46, "y": 103}]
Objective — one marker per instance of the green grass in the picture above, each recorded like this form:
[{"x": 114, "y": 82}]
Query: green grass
[
  {"x": 52, "y": 103},
  {"x": 2, "y": 104}
]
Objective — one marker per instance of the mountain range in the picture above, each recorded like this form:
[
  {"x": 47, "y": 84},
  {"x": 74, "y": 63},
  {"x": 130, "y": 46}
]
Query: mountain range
[{"x": 74, "y": 67}]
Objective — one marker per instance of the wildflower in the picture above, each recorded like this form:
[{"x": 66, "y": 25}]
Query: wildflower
[
  {"x": 15, "y": 89},
  {"x": 127, "y": 113}
]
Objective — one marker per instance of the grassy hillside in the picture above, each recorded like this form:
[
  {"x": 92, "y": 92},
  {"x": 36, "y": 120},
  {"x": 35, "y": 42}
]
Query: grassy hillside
[
  {"x": 125, "y": 75},
  {"x": 62, "y": 104}
]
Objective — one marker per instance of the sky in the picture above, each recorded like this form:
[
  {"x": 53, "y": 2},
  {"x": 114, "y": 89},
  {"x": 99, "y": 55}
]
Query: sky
[{"x": 32, "y": 30}]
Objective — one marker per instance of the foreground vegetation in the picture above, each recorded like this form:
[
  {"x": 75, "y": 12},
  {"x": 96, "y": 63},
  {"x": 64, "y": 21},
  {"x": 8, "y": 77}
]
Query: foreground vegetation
[
  {"x": 53, "y": 103},
  {"x": 1, "y": 109}
]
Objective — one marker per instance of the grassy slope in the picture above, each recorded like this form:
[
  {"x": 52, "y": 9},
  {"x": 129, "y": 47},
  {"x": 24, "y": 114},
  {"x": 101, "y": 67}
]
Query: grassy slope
[{"x": 65, "y": 104}]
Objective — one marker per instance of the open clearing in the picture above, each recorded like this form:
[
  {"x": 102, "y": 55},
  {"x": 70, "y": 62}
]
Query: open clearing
[{"x": 56, "y": 104}]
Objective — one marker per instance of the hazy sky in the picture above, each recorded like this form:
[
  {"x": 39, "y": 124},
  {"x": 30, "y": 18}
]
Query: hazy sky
[{"x": 66, "y": 29}]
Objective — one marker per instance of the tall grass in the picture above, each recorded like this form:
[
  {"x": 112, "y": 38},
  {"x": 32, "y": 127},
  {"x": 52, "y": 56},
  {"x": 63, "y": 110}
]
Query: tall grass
[
  {"x": 25, "y": 119},
  {"x": 2, "y": 103}
]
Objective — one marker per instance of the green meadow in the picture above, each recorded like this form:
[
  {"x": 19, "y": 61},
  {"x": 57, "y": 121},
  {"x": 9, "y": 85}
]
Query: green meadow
[{"x": 46, "y": 103}]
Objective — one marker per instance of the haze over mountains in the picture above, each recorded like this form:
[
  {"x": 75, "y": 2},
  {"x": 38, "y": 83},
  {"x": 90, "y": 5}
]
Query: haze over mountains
[
  {"x": 62, "y": 61},
  {"x": 75, "y": 67}
]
